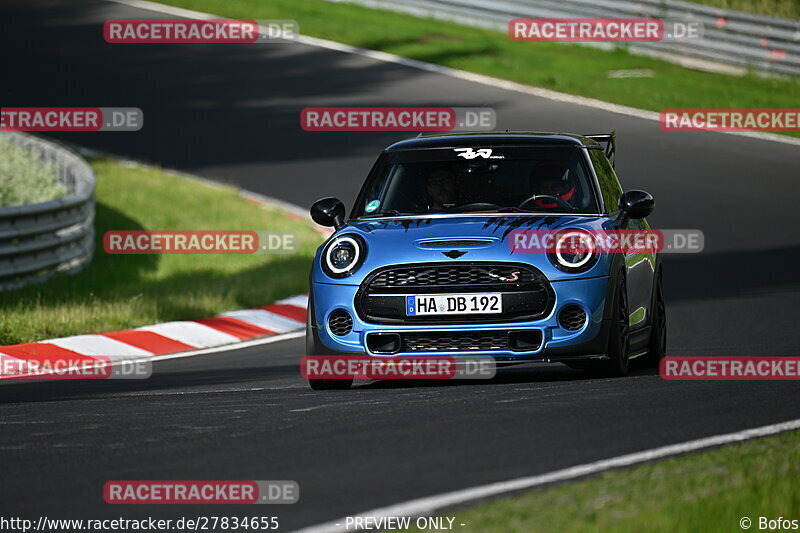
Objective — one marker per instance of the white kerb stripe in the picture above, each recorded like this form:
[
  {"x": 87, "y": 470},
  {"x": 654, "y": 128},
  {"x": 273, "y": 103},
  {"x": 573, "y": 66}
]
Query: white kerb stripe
[
  {"x": 98, "y": 345},
  {"x": 265, "y": 319},
  {"x": 191, "y": 333},
  {"x": 429, "y": 505},
  {"x": 297, "y": 301}
]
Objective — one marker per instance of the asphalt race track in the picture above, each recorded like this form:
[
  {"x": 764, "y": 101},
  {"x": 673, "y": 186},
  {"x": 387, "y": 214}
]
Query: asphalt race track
[{"x": 231, "y": 113}]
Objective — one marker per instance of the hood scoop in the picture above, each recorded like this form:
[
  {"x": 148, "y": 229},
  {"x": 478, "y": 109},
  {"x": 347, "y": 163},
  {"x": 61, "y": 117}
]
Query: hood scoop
[{"x": 454, "y": 243}]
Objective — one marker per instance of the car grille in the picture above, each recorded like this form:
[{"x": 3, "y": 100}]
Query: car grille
[
  {"x": 463, "y": 341},
  {"x": 453, "y": 342},
  {"x": 525, "y": 291},
  {"x": 451, "y": 277}
]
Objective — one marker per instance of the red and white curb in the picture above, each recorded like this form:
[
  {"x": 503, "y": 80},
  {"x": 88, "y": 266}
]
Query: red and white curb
[{"x": 282, "y": 317}]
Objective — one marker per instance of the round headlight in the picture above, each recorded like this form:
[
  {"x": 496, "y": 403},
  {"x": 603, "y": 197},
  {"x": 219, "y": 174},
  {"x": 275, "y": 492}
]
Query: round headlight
[
  {"x": 343, "y": 255},
  {"x": 574, "y": 251}
]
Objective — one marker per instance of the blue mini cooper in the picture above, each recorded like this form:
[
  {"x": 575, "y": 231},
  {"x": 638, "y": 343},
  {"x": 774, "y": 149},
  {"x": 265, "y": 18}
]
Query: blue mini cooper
[{"x": 424, "y": 266}]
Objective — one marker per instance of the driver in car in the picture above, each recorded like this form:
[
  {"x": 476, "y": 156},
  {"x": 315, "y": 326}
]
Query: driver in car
[
  {"x": 552, "y": 179},
  {"x": 441, "y": 188}
]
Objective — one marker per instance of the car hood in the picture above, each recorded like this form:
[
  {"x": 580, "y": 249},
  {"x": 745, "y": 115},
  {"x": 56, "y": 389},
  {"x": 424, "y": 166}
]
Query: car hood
[{"x": 401, "y": 240}]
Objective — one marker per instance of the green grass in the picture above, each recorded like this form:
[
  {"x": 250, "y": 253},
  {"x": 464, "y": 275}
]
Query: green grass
[
  {"x": 124, "y": 291},
  {"x": 24, "y": 177},
  {"x": 776, "y": 8},
  {"x": 573, "y": 69},
  {"x": 698, "y": 493}
]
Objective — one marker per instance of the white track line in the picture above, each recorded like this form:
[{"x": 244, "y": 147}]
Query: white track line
[
  {"x": 460, "y": 74},
  {"x": 429, "y": 505}
]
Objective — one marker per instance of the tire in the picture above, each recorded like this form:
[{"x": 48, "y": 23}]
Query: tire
[
  {"x": 658, "y": 333},
  {"x": 619, "y": 338},
  {"x": 312, "y": 348}
]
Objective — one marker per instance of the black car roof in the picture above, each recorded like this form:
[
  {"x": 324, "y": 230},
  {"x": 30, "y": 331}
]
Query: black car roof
[{"x": 505, "y": 138}]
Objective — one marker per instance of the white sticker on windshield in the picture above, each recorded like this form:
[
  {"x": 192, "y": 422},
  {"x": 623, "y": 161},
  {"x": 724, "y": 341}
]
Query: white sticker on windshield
[
  {"x": 372, "y": 206},
  {"x": 469, "y": 153}
]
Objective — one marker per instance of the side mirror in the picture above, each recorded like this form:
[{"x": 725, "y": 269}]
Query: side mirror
[
  {"x": 635, "y": 204},
  {"x": 328, "y": 212}
]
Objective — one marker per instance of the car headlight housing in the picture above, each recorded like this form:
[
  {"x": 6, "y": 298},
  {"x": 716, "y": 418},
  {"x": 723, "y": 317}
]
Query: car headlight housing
[
  {"x": 573, "y": 251},
  {"x": 343, "y": 255}
]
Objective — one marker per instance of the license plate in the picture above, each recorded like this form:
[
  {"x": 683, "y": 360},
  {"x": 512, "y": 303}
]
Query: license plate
[{"x": 454, "y": 304}]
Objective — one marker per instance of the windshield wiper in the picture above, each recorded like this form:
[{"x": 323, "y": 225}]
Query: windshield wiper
[{"x": 513, "y": 210}]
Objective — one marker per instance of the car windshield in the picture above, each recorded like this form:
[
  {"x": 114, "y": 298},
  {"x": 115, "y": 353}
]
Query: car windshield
[{"x": 464, "y": 180}]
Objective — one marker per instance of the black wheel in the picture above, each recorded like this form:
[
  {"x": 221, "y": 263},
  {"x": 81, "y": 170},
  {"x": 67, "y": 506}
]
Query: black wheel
[
  {"x": 619, "y": 338},
  {"x": 658, "y": 334},
  {"x": 313, "y": 349}
]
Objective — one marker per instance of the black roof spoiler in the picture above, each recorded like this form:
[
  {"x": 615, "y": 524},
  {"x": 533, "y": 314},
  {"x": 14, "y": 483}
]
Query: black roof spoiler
[{"x": 610, "y": 142}]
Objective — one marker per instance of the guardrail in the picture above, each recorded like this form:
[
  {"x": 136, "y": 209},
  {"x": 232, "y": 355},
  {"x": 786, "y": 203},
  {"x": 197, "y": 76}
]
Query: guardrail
[
  {"x": 740, "y": 41},
  {"x": 40, "y": 240}
]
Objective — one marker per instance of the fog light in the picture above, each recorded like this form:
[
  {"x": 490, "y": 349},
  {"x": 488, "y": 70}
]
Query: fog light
[
  {"x": 572, "y": 317},
  {"x": 340, "y": 322}
]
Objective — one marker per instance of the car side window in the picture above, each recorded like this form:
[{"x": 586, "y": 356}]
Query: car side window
[{"x": 609, "y": 184}]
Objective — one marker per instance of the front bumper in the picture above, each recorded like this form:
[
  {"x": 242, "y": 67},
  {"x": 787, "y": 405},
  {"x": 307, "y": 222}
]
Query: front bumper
[{"x": 557, "y": 343}]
